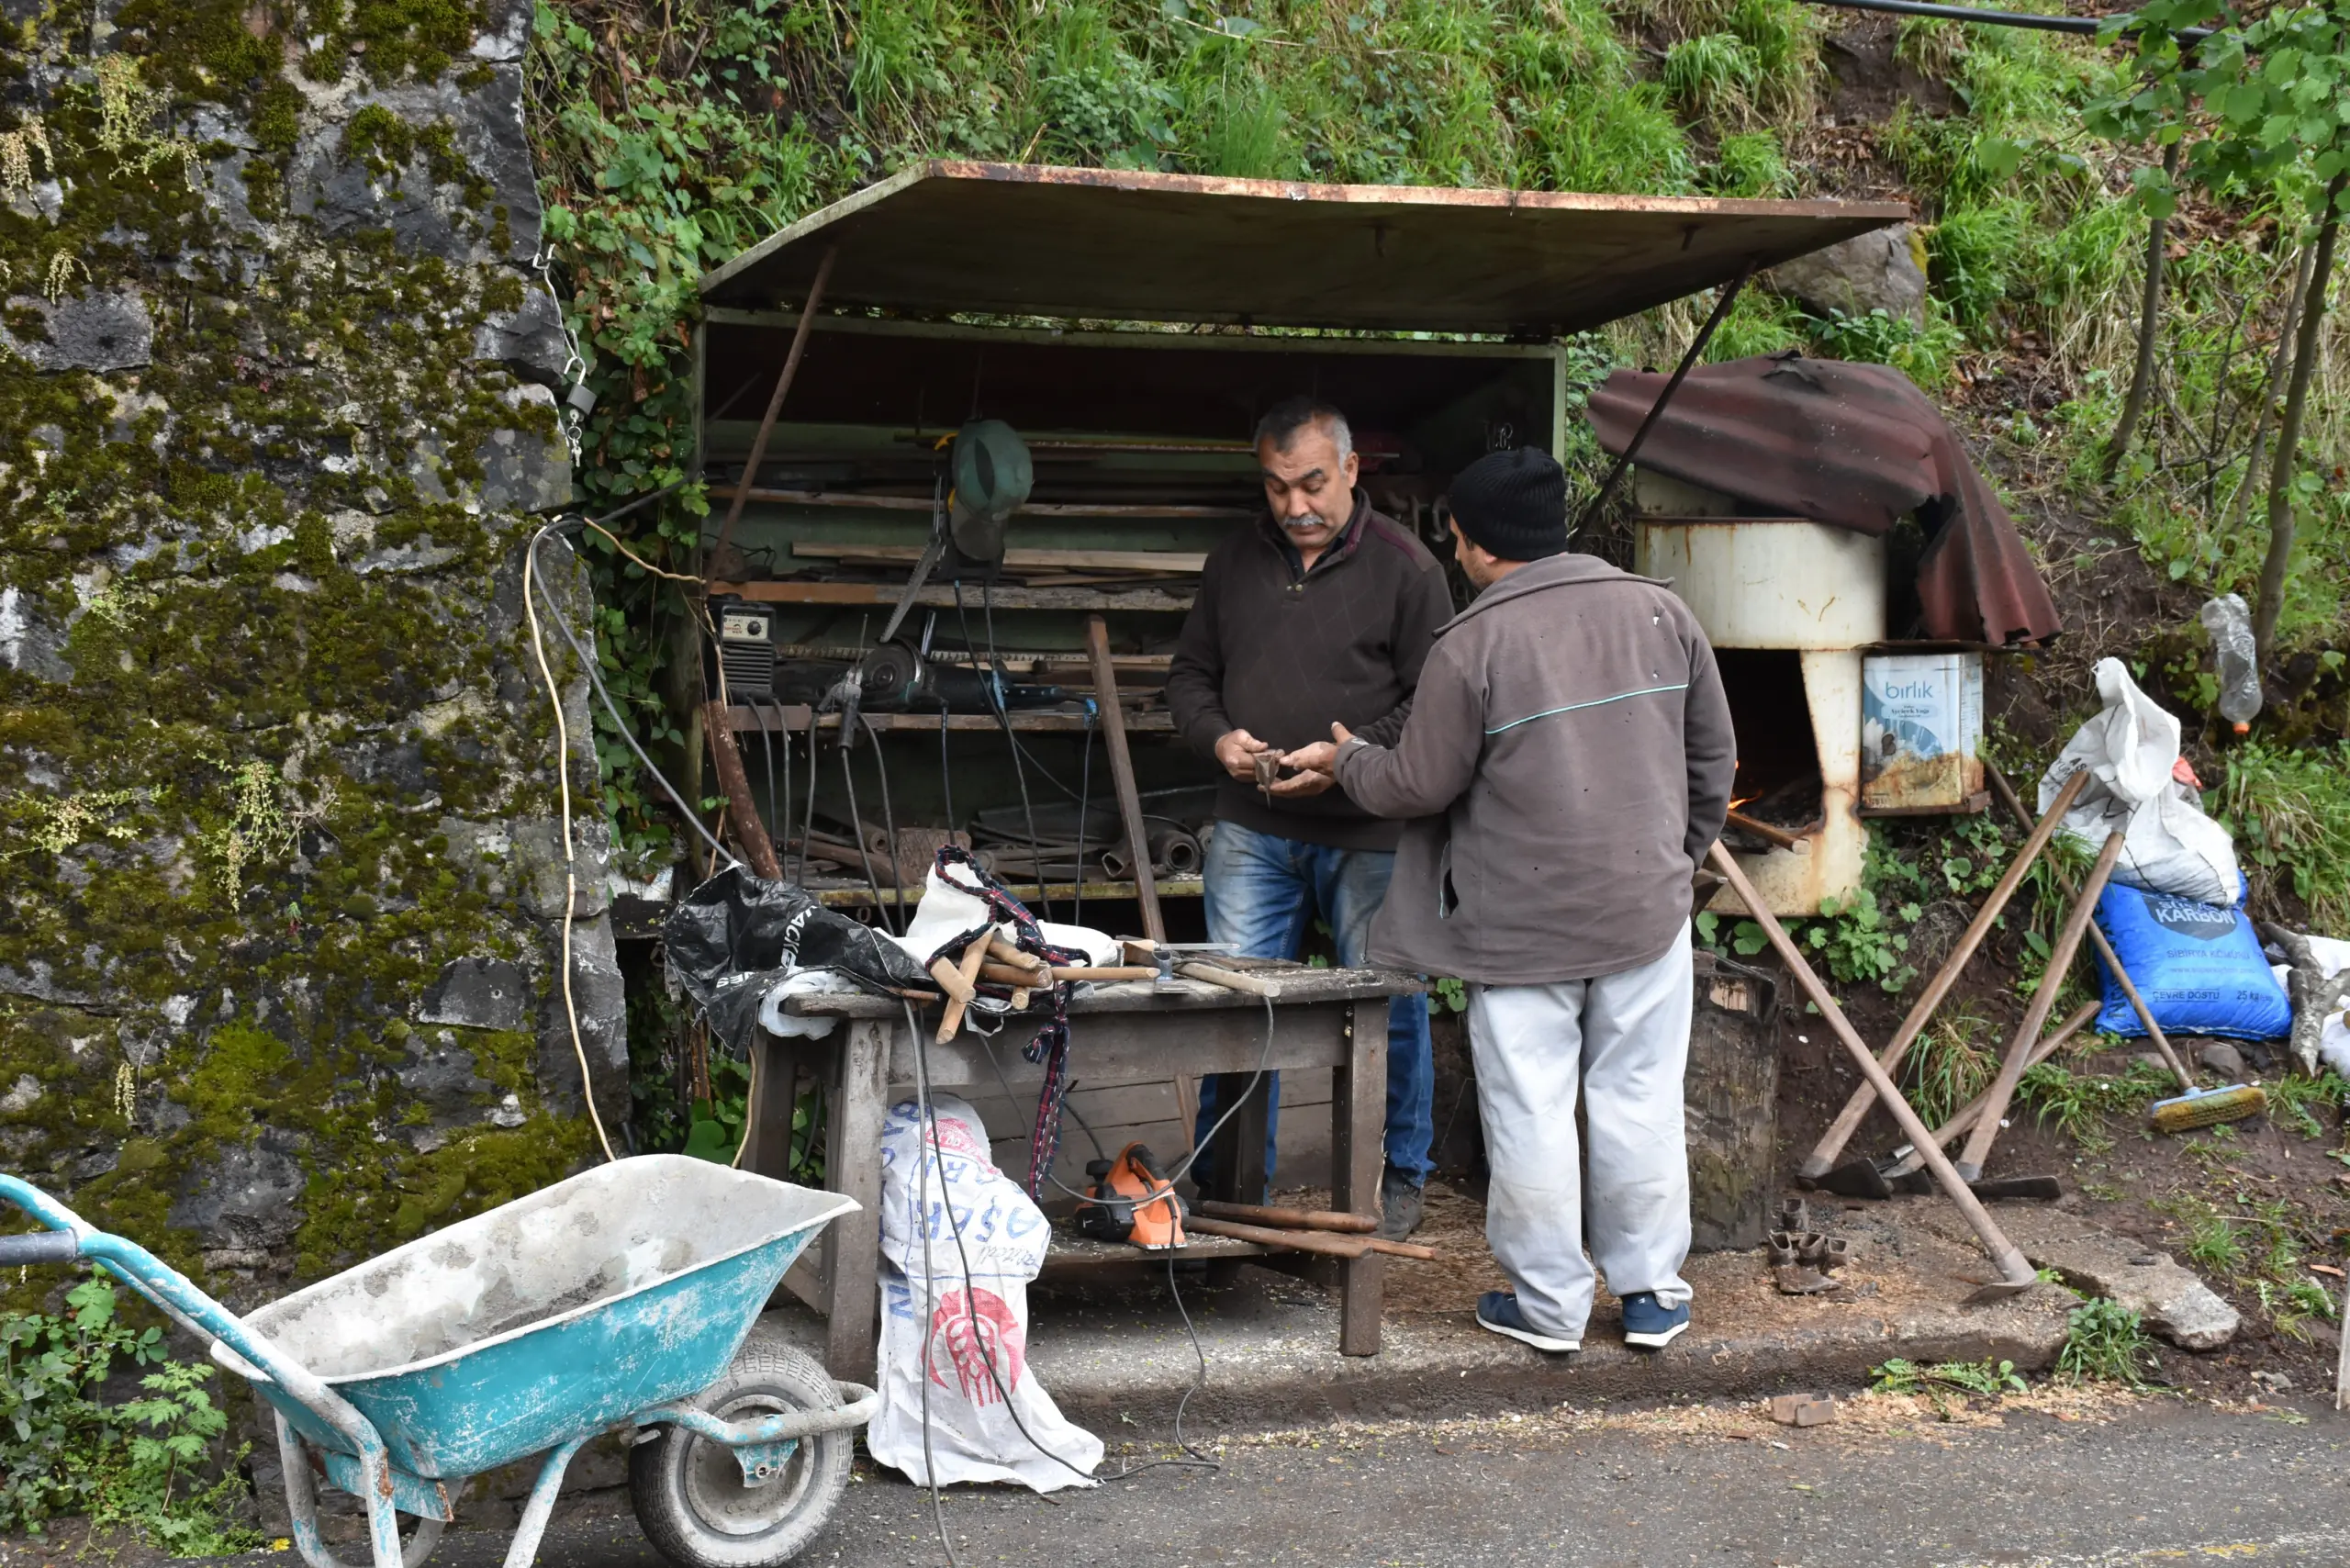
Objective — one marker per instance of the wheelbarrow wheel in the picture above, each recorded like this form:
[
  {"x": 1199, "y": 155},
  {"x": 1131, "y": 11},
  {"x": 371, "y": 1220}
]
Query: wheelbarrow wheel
[{"x": 691, "y": 1499}]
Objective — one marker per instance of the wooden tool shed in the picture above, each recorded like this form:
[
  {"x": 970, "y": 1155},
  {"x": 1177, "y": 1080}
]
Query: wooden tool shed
[{"x": 1131, "y": 327}]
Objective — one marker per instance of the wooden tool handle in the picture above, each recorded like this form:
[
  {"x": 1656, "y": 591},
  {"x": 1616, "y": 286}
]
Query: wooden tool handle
[
  {"x": 950, "y": 979},
  {"x": 1778, "y": 837},
  {"x": 1003, "y": 952},
  {"x": 1831, "y": 1142},
  {"x": 974, "y": 956},
  {"x": 2003, "y": 1252},
  {"x": 1295, "y": 1219},
  {"x": 1231, "y": 980},
  {"x": 1321, "y": 1241},
  {"x": 1120, "y": 972}
]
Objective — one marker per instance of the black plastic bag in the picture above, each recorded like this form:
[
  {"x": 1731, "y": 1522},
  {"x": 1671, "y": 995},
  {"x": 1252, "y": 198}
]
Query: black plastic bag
[{"x": 737, "y": 934}]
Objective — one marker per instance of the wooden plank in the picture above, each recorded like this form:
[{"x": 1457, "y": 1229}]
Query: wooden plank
[
  {"x": 1132, "y": 245},
  {"x": 1154, "y": 601},
  {"x": 859, "y": 1102},
  {"x": 860, "y": 501},
  {"x": 1142, "y": 1044},
  {"x": 1358, "y": 1129},
  {"x": 1171, "y": 562},
  {"x": 1122, "y": 776},
  {"x": 1029, "y": 892},
  {"x": 1357, "y": 346}
]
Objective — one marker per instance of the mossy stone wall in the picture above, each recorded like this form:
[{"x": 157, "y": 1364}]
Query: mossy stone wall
[{"x": 280, "y": 873}]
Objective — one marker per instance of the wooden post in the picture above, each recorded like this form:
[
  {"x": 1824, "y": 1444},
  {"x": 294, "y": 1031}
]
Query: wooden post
[
  {"x": 861, "y": 1100},
  {"x": 1122, "y": 774},
  {"x": 1358, "y": 1155},
  {"x": 758, "y": 848},
  {"x": 775, "y": 406}
]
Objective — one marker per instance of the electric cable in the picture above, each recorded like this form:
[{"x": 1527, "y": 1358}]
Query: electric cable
[
  {"x": 570, "y": 865},
  {"x": 783, "y": 822},
  {"x": 945, "y": 774},
  {"x": 925, "y": 1150},
  {"x": 889, "y": 821},
  {"x": 1003, "y": 718},
  {"x": 857, "y": 823},
  {"x": 808, "y": 817},
  {"x": 1194, "y": 1460},
  {"x": 766, "y": 744},
  {"x": 620, "y": 720}
]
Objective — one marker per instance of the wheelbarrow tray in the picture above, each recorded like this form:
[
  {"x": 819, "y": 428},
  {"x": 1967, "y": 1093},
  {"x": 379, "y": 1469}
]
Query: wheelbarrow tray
[{"x": 549, "y": 1318}]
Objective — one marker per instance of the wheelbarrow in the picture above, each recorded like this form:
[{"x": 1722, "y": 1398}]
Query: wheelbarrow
[{"x": 618, "y": 1301}]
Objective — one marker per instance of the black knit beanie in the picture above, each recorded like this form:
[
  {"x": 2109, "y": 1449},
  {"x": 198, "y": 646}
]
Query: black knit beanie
[{"x": 1513, "y": 504}]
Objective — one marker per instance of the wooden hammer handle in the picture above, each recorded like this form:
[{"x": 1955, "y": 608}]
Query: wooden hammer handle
[
  {"x": 1320, "y": 1241},
  {"x": 1231, "y": 980},
  {"x": 974, "y": 955},
  {"x": 1293, "y": 1219}
]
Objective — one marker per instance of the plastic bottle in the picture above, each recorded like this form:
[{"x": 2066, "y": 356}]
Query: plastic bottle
[{"x": 2230, "y": 623}]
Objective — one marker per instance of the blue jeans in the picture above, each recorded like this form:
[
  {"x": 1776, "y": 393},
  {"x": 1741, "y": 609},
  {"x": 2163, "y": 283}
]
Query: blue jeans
[{"x": 1261, "y": 893}]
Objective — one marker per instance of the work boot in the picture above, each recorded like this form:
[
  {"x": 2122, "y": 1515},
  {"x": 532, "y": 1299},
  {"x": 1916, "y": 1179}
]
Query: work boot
[{"x": 1400, "y": 1202}]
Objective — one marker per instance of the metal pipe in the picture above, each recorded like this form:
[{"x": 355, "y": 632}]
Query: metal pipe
[
  {"x": 1680, "y": 373},
  {"x": 775, "y": 407},
  {"x": 2084, "y": 26}
]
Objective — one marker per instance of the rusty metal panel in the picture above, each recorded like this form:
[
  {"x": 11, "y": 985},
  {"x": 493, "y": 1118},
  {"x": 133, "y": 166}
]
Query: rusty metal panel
[
  {"x": 1855, "y": 446},
  {"x": 1126, "y": 245}
]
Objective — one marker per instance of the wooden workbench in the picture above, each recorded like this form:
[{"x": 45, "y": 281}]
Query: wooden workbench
[{"x": 1136, "y": 1032}]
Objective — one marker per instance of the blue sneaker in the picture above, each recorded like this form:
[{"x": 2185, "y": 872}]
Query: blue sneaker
[
  {"x": 1651, "y": 1325},
  {"x": 1497, "y": 1310}
]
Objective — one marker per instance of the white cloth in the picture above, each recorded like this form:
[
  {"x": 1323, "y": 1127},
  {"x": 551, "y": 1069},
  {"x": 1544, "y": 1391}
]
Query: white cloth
[
  {"x": 2132, "y": 750},
  {"x": 976, "y": 1319},
  {"x": 1622, "y": 1040}
]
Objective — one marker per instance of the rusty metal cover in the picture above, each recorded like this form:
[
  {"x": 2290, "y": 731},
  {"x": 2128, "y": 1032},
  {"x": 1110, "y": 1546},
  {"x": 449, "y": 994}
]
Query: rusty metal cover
[
  {"x": 1122, "y": 245},
  {"x": 1854, "y": 446}
]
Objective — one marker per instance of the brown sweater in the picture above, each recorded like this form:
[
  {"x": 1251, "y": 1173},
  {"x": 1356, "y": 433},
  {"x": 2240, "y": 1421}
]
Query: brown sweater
[
  {"x": 1567, "y": 762},
  {"x": 1282, "y": 653}
]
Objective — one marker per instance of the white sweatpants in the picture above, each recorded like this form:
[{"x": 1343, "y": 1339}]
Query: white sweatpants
[{"x": 1622, "y": 1040}]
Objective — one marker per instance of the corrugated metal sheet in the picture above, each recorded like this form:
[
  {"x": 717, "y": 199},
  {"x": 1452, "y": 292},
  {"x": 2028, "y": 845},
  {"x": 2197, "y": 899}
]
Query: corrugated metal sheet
[
  {"x": 1123, "y": 245},
  {"x": 1855, "y": 446}
]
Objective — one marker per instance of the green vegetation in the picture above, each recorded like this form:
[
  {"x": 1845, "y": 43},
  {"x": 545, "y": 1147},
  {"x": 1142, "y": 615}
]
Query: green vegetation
[
  {"x": 2289, "y": 810},
  {"x": 139, "y": 1466},
  {"x": 2105, "y": 1342},
  {"x": 1985, "y": 1379}
]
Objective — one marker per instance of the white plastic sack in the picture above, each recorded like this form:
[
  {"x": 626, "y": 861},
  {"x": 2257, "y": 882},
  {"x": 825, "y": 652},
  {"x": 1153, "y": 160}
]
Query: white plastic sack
[
  {"x": 947, "y": 909},
  {"x": 2169, "y": 845},
  {"x": 978, "y": 1323}
]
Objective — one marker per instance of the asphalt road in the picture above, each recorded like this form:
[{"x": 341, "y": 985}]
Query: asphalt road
[{"x": 2167, "y": 1482}]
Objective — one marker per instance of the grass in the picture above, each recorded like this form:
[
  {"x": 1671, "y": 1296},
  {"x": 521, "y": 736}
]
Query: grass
[
  {"x": 2078, "y": 1104},
  {"x": 1947, "y": 1066},
  {"x": 2289, "y": 810},
  {"x": 2294, "y": 1099},
  {"x": 2105, "y": 1342},
  {"x": 1939, "y": 1381}
]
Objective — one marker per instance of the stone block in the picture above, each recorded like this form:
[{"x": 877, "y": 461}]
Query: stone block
[{"x": 1877, "y": 270}]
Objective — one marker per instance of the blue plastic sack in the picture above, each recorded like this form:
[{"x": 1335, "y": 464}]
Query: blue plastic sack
[{"x": 2199, "y": 966}]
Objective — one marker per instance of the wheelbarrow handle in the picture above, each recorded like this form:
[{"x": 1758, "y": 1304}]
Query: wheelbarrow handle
[
  {"x": 72, "y": 1238},
  {"x": 40, "y": 1247},
  {"x": 860, "y": 1405}
]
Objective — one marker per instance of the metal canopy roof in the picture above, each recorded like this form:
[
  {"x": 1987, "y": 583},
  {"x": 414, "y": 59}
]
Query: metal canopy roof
[{"x": 1110, "y": 244}]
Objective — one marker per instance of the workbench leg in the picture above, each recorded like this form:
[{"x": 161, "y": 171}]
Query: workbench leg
[
  {"x": 1357, "y": 1146},
  {"x": 1237, "y": 1155},
  {"x": 778, "y": 1070},
  {"x": 853, "y": 1167}
]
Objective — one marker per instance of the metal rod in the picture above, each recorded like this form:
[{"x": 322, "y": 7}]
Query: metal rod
[
  {"x": 775, "y": 407},
  {"x": 1680, "y": 373},
  {"x": 2112, "y": 961},
  {"x": 1831, "y": 1142},
  {"x": 2013, "y": 1270},
  {"x": 1969, "y": 1163},
  {"x": 2084, "y": 26}
]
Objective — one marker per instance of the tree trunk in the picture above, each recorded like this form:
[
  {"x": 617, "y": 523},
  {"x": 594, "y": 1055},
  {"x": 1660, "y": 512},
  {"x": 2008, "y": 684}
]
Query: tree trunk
[
  {"x": 2150, "y": 309},
  {"x": 2271, "y": 391},
  {"x": 2288, "y": 428}
]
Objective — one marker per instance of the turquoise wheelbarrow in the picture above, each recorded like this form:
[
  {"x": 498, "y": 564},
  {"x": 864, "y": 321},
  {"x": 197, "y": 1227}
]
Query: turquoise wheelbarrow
[{"x": 622, "y": 1300}]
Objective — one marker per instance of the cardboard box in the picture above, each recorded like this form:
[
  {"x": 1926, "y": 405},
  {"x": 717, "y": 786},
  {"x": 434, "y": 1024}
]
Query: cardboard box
[{"x": 1921, "y": 734}]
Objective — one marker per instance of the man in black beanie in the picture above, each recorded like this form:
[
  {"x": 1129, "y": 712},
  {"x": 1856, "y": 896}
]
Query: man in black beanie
[{"x": 1566, "y": 764}]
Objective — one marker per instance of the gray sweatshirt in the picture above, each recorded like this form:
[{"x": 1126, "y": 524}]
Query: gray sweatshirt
[{"x": 1566, "y": 764}]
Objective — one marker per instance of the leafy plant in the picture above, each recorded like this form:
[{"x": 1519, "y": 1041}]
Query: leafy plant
[
  {"x": 1924, "y": 354},
  {"x": 1851, "y": 935},
  {"x": 136, "y": 1466},
  {"x": 1450, "y": 993},
  {"x": 2291, "y": 1097},
  {"x": 2289, "y": 810},
  {"x": 2105, "y": 1341},
  {"x": 1990, "y": 1379},
  {"x": 2077, "y": 1103}
]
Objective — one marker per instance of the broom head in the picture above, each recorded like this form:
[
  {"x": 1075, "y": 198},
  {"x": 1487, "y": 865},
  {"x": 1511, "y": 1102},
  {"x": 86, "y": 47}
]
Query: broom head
[{"x": 2204, "y": 1107}]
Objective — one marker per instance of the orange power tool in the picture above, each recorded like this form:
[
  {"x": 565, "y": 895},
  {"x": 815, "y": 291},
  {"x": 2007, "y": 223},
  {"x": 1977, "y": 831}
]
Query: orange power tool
[{"x": 1122, "y": 1207}]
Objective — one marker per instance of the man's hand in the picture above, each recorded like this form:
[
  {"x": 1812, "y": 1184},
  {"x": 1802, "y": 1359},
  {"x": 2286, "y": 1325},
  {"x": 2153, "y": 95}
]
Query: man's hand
[
  {"x": 1317, "y": 765},
  {"x": 1236, "y": 750}
]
